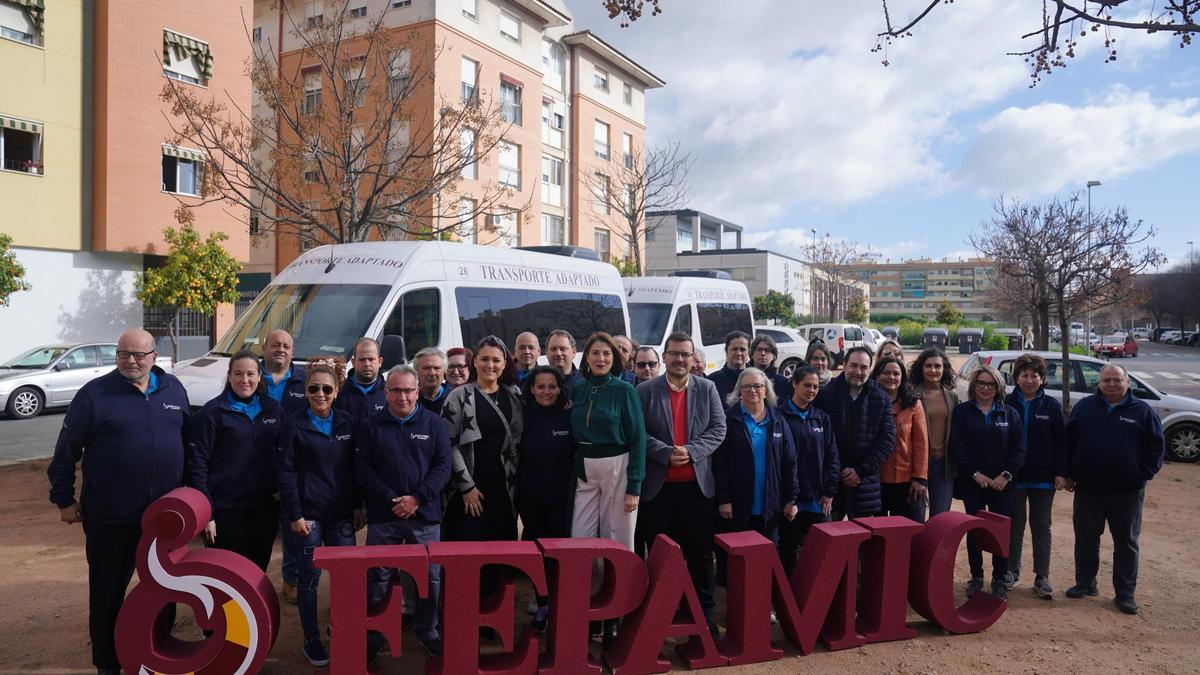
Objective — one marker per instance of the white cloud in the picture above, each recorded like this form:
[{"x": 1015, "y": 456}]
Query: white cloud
[{"x": 1046, "y": 147}]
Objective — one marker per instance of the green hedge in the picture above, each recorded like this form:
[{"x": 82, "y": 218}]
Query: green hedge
[{"x": 912, "y": 329}]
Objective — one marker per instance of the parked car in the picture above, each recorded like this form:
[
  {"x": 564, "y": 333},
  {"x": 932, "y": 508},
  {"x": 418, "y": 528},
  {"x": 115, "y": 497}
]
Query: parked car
[
  {"x": 1141, "y": 333},
  {"x": 1119, "y": 345},
  {"x": 792, "y": 347},
  {"x": 1194, "y": 340},
  {"x": 1185, "y": 338},
  {"x": 838, "y": 337},
  {"x": 1180, "y": 415},
  {"x": 48, "y": 376},
  {"x": 1166, "y": 336},
  {"x": 1177, "y": 337}
]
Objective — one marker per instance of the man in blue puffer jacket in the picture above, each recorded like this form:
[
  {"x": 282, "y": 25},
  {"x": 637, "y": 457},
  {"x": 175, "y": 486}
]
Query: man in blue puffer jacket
[
  {"x": 1114, "y": 445},
  {"x": 865, "y": 431}
]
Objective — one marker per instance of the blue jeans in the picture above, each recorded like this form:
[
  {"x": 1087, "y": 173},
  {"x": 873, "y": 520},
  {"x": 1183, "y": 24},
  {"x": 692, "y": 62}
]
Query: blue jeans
[
  {"x": 320, "y": 533},
  {"x": 291, "y": 553},
  {"x": 941, "y": 489},
  {"x": 379, "y": 578}
]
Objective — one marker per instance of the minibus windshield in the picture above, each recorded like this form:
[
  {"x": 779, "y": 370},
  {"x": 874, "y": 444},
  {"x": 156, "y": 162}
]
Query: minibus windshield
[
  {"x": 324, "y": 319},
  {"x": 648, "y": 321}
]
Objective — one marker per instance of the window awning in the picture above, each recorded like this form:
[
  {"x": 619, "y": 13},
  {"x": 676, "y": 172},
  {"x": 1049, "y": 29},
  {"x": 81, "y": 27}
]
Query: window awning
[
  {"x": 185, "y": 47},
  {"x": 182, "y": 153},
  {"x": 511, "y": 80},
  {"x": 20, "y": 125},
  {"x": 36, "y": 10}
]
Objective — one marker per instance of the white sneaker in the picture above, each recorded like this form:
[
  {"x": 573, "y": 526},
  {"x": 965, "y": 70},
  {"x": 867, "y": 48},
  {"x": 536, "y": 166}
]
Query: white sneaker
[{"x": 532, "y": 606}]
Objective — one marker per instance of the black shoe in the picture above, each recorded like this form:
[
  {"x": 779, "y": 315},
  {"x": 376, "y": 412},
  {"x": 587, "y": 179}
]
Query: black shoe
[
  {"x": 974, "y": 586},
  {"x": 1000, "y": 590},
  {"x": 375, "y": 642},
  {"x": 714, "y": 630},
  {"x": 1075, "y": 592},
  {"x": 1127, "y": 605},
  {"x": 432, "y": 646},
  {"x": 609, "y": 639}
]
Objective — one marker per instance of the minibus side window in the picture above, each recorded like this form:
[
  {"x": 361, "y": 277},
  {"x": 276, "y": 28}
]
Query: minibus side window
[
  {"x": 417, "y": 317},
  {"x": 719, "y": 319},
  {"x": 683, "y": 320}
]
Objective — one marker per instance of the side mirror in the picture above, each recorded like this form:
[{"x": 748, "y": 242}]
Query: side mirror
[
  {"x": 391, "y": 350},
  {"x": 62, "y": 365}
]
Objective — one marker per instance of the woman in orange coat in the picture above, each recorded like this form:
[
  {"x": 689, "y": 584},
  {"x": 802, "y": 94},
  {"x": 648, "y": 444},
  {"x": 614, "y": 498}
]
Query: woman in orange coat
[{"x": 903, "y": 476}]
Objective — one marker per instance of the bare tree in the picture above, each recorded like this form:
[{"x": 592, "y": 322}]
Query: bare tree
[
  {"x": 1022, "y": 264},
  {"x": 832, "y": 288},
  {"x": 1064, "y": 23},
  {"x": 349, "y": 145},
  {"x": 1088, "y": 263},
  {"x": 637, "y": 183}
]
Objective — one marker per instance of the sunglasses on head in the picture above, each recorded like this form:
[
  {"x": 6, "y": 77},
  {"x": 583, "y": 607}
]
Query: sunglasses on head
[{"x": 323, "y": 388}]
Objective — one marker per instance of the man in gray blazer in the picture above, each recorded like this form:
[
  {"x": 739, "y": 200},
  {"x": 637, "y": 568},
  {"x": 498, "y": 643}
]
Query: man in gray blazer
[{"x": 685, "y": 423}]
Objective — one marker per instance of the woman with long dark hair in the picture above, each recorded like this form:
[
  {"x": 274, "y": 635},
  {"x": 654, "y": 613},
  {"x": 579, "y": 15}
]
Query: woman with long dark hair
[
  {"x": 902, "y": 477},
  {"x": 547, "y": 457},
  {"x": 931, "y": 379},
  {"x": 231, "y": 459},
  {"x": 318, "y": 491}
]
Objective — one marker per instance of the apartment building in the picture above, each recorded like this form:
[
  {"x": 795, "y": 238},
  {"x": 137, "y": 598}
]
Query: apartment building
[
  {"x": 918, "y": 287},
  {"x": 570, "y": 103},
  {"x": 88, "y": 178},
  {"x": 690, "y": 240}
]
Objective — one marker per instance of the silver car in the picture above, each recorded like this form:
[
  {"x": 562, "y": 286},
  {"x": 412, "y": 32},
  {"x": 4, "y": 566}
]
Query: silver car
[
  {"x": 1180, "y": 415},
  {"x": 48, "y": 376}
]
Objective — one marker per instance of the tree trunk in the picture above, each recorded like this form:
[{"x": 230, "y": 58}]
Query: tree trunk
[
  {"x": 1044, "y": 336},
  {"x": 171, "y": 334}
]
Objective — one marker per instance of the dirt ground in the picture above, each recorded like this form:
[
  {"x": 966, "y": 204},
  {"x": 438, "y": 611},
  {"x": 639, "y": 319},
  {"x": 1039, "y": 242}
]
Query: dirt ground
[{"x": 44, "y": 608}]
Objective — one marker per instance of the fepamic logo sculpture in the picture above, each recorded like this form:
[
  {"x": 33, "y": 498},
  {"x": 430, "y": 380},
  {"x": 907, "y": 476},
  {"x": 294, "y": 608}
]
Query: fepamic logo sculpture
[{"x": 852, "y": 585}]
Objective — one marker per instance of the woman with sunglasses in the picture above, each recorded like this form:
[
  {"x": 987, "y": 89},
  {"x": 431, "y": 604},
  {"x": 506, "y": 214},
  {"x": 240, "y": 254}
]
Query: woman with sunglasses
[
  {"x": 902, "y": 477},
  {"x": 755, "y": 466},
  {"x": 458, "y": 366},
  {"x": 231, "y": 459},
  {"x": 547, "y": 455},
  {"x": 317, "y": 488},
  {"x": 819, "y": 358},
  {"x": 987, "y": 444},
  {"x": 610, "y": 455},
  {"x": 484, "y": 420}
]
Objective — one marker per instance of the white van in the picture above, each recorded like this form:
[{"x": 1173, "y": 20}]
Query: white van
[
  {"x": 412, "y": 295},
  {"x": 838, "y": 338},
  {"x": 706, "y": 308}
]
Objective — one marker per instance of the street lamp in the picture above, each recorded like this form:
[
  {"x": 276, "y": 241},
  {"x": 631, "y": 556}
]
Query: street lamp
[
  {"x": 1087, "y": 337},
  {"x": 812, "y": 276}
]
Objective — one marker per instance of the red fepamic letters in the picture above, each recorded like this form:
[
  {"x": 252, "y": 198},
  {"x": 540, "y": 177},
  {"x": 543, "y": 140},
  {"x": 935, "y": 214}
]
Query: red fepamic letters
[{"x": 852, "y": 585}]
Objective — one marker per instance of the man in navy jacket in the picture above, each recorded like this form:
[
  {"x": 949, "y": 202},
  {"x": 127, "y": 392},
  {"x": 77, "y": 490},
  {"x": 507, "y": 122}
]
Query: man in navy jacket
[
  {"x": 285, "y": 384},
  {"x": 865, "y": 431},
  {"x": 129, "y": 427},
  {"x": 403, "y": 463},
  {"x": 1114, "y": 445},
  {"x": 363, "y": 393}
]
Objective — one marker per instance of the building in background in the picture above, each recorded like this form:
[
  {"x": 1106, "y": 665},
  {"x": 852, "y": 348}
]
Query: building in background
[
  {"x": 689, "y": 240},
  {"x": 574, "y": 105},
  {"x": 918, "y": 287},
  {"x": 87, "y": 176}
]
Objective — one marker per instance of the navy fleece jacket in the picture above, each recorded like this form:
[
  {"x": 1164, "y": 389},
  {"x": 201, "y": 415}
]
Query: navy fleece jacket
[
  {"x": 990, "y": 444},
  {"x": 358, "y": 403},
  {"x": 403, "y": 457},
  {"x": 725, "y": 378},
  {"x": 132, "y": 445},
  {"x": 1113, "y": 449},
  {"x": 231, "y": 458},
  {"x": 733, "y": 468},
  {"x": 817, "y": 469},
  {"x": 547, "y": 457},
  {"x": 316, "y": 472},
  {"x": 1045, "y": 430}
]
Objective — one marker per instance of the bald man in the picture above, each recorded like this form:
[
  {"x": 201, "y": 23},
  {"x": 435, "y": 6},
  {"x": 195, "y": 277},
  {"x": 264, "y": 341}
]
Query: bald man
[
  {"x": 526, "y": 351},
  {"x": 129, "y": 428},
  {"x": 285, "y": 380}
]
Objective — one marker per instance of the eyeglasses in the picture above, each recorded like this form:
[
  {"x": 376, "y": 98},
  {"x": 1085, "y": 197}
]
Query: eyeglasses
[
  {"x": 646, "y": 364},
  {"x": 753, "y": 387},
  {"x": 678, "y": 355},
  {"x": 122, "y": 354},
  {"x": 402, "y": 391},
  {"x": 984, "y": 384},
  {"x": 764, "y": 350},
  {"x": 456, "y": 366},
  {"x": 326, "y": 389}
]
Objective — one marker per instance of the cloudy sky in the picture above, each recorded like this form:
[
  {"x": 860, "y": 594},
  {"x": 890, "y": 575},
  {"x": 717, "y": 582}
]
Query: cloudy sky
[{"x": 795, "y": 124}]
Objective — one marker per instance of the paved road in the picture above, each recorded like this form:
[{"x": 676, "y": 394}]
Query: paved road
[{"x": 1170, "y": 369}]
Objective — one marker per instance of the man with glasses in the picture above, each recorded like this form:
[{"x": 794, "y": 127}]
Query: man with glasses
[
  {"x": 430, "y": 363},
  {"x": 685, "y": 423},
  {"x": 737, "y": 357},
  {"x": 403, "y": 463},
  {"x": 363, "y": 392},
  {"x": 1114, "y": 445},
  {"x": 526, "y": 351},
  {"x": 560, "y": 352},
  {"x": 763, "y": 352},
  {"x": 863, "y": 425},
  {"x": 129, "y": 427},
  {"x": 645, "y": 365}
]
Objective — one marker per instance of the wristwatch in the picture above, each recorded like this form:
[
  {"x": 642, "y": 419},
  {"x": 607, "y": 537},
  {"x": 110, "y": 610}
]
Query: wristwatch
[{"x": 1007, "y": 476}]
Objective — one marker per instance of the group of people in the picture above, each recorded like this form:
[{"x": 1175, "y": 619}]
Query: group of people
[{"x": 485, "y": 444}]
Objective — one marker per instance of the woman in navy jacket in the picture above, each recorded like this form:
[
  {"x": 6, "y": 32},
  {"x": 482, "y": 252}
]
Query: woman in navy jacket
[
  {"x": 547, "y": 458},
  {"x": 319, "y": 494},
  {"x": 231, "y": 459},
  {"x": 817, "y": 467},
  {"x": 988, "y": 446},
  {"x": 1042, "y": 473},
  {"x": 755, "y": 466}
]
